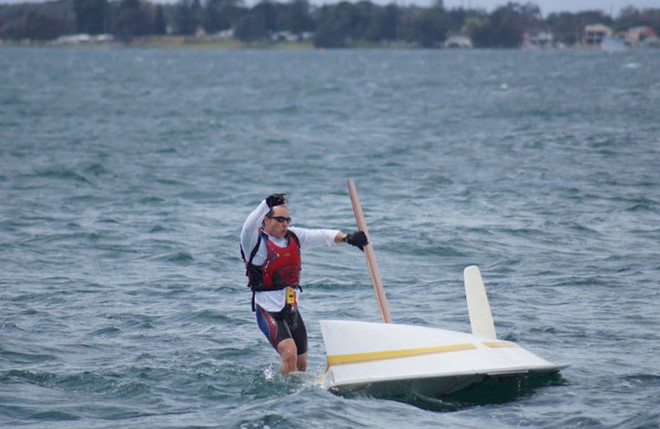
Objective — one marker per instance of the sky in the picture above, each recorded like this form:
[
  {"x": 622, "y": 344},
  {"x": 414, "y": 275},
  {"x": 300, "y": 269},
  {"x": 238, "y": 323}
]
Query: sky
[{"x": 610, "y": 7}]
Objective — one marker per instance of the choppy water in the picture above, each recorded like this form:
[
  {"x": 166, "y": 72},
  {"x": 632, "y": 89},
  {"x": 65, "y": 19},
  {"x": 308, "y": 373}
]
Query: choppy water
[{"x": 125, "y": 176}]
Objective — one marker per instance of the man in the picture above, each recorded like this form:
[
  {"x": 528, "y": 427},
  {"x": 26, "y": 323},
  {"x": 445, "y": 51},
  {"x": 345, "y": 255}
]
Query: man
[{"x": 271, "y": 252}]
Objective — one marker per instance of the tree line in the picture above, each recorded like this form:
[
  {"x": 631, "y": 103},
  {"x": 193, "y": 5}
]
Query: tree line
[{"x": 332, "y": 25}]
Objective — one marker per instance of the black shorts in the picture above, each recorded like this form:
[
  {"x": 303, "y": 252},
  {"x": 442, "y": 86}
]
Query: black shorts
[{"x": 278, "y": 326}]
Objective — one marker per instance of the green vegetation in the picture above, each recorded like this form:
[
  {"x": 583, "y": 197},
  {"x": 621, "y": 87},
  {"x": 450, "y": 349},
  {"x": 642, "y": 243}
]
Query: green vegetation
[{"x": 343, "y": 24}]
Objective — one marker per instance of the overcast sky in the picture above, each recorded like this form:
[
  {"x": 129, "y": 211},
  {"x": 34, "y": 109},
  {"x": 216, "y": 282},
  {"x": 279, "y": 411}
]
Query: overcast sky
[{"x": 611, "y": 7}]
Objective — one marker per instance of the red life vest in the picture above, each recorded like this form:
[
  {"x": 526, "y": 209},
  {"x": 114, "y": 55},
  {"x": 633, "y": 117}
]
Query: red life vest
[{"x": 280, "y": 269}]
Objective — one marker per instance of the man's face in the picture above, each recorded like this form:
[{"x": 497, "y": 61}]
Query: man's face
[{"x": 272, "y": 226}]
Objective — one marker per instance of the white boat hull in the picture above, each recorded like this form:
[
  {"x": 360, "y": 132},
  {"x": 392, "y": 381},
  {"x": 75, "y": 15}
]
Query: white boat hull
[
  {"x": 394, "y": 358},
  {"x": 391, "y": 359}
]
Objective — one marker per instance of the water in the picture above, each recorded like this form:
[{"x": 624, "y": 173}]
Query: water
[{"x": 126, "y": 174}]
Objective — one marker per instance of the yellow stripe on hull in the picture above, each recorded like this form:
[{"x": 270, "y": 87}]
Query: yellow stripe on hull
[
  {"x": 494, "y": 344},
  {"x": 394, "y": 354}
]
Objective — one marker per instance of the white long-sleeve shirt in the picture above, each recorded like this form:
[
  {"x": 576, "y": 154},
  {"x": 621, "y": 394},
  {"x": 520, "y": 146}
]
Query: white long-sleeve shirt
[{"x": 308, "y": 238}]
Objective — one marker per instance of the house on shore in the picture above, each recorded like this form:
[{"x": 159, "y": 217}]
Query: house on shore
[
  {"x": 637, "y": 37},
  {"x": 595, "y": 34}
]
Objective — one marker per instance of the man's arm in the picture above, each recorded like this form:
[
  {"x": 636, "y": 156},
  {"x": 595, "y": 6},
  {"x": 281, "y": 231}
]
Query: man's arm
[
  {"x": 328, "y": 237},
  {"x": 250, "y": 231},
  {"x": 310, "y": 238}
]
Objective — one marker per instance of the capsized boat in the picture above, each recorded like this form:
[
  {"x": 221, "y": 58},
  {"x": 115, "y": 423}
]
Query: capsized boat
[{"x": 393, "y": 359}]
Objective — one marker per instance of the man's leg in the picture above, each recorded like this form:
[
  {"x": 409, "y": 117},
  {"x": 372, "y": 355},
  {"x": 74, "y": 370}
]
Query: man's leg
[
  {"x": 299, "y": 334},
  {"x": 279, "y": 336},
  {"x": 278, "y": 332},
  {"x": 289, "y": 355},
  {"x": 301, "y": 364}
]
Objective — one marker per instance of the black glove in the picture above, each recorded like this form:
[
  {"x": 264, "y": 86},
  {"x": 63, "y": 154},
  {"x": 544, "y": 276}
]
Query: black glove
[
  {"x": 357, "y": 239},
  {"x": 276, "y": 200}
]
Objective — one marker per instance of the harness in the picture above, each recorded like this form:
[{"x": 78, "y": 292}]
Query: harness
[{"x": 280, "y": 269}]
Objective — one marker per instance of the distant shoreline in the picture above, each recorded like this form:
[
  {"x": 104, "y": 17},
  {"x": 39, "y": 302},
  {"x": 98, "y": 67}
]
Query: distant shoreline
[
  {"x": 219, "y": 45},
  {"x": 189, "y": 42},
  {"x": 210, "y": 43},
  {"x": 165, "y": 42}
]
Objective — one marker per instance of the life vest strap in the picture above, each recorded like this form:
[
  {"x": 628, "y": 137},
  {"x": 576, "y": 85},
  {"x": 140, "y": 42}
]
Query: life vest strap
[{"x": 254, "y": 292}]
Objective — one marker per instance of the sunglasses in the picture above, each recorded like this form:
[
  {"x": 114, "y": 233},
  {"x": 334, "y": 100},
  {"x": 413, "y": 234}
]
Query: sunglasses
[{"x": 281, "y": 219}]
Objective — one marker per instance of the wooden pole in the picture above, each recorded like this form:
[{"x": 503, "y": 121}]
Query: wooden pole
[{"x": 369, "y": 255}]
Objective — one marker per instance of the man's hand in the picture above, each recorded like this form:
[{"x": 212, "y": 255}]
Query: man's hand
[
  {"x": 276, "y": 200},
  {"x": 357, "y": 239}
]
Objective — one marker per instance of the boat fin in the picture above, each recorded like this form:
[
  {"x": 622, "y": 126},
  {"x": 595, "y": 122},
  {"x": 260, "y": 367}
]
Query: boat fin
[{"x": 481, "y": 319}]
